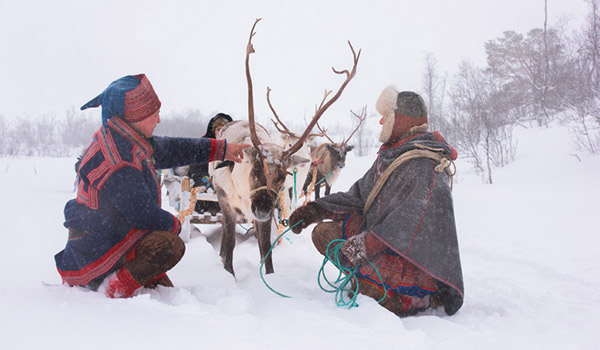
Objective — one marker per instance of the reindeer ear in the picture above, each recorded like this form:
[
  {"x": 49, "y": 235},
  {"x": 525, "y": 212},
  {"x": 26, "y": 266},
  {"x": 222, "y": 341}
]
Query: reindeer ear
[
  {"x": 330, "y": 147},
  {"x": 295, "y": 160},
  {"x": 349, "y": 148}
]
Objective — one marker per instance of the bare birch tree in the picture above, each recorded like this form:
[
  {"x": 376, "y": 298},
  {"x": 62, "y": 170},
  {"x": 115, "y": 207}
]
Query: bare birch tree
[
  {"x": 434, "y": 86},
  {"x": 481, "y": 129}
]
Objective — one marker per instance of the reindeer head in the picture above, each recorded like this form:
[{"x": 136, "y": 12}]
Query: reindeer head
[
  {"x": 269, "y": 161},
  {"x": 338, "y": 151},
  {"x": 269, "y": 170},
  {"x": 338, "y": 154}
]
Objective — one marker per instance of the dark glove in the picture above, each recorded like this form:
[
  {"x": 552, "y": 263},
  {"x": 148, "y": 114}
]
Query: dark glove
[
  {"x": 310, "y": 213},
  {"x": 354, "y": 249}
]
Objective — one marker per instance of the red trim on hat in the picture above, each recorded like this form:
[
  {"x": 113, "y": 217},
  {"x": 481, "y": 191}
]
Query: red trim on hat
[{"x": 141, "y": 102}]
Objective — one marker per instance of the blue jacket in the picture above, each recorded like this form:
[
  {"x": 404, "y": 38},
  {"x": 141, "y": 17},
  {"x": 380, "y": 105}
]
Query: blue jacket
[{"x": 119, "y": 199}]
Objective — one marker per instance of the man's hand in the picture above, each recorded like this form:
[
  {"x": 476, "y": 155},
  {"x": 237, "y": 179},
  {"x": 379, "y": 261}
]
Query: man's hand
[
  {"x": 310, "y": 214},
  {"x": 235, "y": 151},
  {"x": 354, "y": 249}
]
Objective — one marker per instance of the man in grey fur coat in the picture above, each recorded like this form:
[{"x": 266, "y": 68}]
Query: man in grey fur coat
[{"x": 399, "y": 215}]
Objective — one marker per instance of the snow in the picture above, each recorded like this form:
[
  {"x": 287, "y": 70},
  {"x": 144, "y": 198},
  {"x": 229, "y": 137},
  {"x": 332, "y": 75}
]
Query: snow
[{"x": 529, "y": 247}]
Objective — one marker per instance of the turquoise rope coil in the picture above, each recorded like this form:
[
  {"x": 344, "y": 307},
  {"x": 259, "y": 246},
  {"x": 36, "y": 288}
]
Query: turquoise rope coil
[{"x": 345, "y": 276}]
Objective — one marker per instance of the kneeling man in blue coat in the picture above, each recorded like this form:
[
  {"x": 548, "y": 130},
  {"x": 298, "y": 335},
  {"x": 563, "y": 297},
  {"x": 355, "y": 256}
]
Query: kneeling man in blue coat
[{"x": 119, "y": 236}]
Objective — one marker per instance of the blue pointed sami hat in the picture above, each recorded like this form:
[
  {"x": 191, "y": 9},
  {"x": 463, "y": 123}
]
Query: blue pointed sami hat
[{"x": 131, "y": 98}]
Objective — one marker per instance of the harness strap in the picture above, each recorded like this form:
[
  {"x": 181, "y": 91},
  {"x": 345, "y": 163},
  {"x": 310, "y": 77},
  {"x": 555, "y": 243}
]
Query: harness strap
[
  {"x": 272, "y": 192},
  {"x": 424, "y": 152},
  {"x": 318, "y": 161}
]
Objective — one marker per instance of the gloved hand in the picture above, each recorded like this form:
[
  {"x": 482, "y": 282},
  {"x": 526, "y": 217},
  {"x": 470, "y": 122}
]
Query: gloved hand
[
  {"x": 310, "y": 213},
  {"x": 354, "y": 249}
]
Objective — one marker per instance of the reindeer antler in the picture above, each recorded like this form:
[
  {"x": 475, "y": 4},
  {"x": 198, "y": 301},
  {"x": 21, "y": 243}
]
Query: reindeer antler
[
  {"x": 324, "y": 133},
  {"x": 320, "y": 134},
  {"x": 361, "y": 119},
  {"x": 325, "y": 104},
  {"x": 282, "y": 129},
  {"x": 251, "y": 122}
]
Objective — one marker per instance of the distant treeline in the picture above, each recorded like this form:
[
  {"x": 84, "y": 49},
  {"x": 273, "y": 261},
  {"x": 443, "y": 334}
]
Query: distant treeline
[{"x": 545, "y": 75}]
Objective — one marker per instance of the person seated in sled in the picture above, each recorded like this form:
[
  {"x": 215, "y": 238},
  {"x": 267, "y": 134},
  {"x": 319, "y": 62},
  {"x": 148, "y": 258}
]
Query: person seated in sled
[
  {"x": 199, "y": 172},
  {"x": 399, "y": 216},
  {"x": 120, "y": 239}
]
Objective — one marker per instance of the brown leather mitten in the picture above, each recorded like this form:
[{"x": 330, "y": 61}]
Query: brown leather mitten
[{"x": 310, "y": 214}]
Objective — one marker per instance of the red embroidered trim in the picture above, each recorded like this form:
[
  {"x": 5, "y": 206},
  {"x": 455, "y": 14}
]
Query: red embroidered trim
[
  {"x": 401, "y": 142},
  {"x": 155, "y": 279},
  {"x": 420, "y": 266},
  {"x": 217, "y": 150},
  {"x": 141, "y": 102},
  {"x": 176, "y": 226},
  {"x": 124, "y": 129},
  {"x": 101, "y": 266}
]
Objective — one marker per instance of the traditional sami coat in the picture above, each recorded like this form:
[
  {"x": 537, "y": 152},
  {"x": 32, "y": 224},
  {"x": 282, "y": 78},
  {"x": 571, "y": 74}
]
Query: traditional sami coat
[
  {"x": 119, "y": 199},
  {"x": 411, "y": 220}
]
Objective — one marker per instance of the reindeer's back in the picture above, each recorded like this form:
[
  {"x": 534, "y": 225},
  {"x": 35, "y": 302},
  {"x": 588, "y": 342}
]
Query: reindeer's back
[{"x": 325, "y": 166}]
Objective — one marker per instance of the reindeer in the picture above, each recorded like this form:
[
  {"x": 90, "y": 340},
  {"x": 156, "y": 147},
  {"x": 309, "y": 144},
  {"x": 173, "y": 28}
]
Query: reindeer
[
  {"x": 329, "y": 158},
  {"x": 251, "y": 188}
]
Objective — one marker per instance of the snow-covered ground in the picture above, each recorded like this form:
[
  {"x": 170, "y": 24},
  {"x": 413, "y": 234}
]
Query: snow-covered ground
[{"x": 529, "y": 245}]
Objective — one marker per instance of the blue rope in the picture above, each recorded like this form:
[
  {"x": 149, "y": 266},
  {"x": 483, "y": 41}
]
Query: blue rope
[
  {"x": 339, "y": 285},
  {"x": 323, "y": 179},
  {"x": 247, "y": 229},
  {"x": 266, "y": 256},
  {"x": 344, "y": 277}
]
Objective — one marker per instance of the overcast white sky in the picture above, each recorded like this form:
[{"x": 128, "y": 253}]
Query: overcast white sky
[{"x": 58, "y": 54}]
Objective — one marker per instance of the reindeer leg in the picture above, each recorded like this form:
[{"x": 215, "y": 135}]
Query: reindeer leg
[
  {"x": 228, "y": 236},
  {"x": 327, "y": 189},
  {"x": 306, "y": 185},
  {"x": 263, "y": 231},
  {"x": 317, "y": 191}
]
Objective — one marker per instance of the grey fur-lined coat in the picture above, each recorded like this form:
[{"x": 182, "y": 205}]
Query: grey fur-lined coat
[{"x": 413, "y": 214}]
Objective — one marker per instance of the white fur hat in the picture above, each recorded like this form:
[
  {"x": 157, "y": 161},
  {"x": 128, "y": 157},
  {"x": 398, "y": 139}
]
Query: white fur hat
[{"x": 386, "y": 103}]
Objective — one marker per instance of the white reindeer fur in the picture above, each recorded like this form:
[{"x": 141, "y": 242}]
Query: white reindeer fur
[{"x": 235, "y": 183}]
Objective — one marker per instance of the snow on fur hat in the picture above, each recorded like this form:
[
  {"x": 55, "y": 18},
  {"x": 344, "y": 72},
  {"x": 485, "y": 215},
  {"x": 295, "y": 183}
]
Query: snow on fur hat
[
  {"x": 130, "y": 98},
  {"x": 406, "y": 103}
]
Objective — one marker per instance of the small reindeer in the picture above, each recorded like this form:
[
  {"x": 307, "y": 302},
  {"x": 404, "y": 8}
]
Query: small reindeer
[
  {"x": 251, "y": 188},
  {"x": 329, "y": 158}
]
